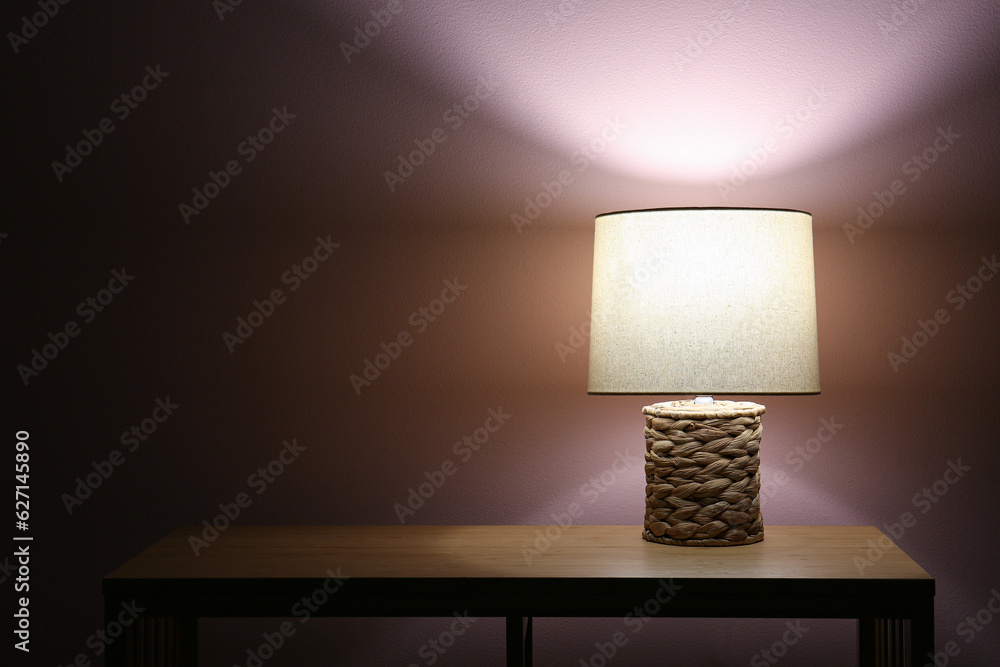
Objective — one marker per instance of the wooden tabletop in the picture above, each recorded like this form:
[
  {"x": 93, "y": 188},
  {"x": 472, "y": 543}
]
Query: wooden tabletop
[{"x": 601, "y": 552}]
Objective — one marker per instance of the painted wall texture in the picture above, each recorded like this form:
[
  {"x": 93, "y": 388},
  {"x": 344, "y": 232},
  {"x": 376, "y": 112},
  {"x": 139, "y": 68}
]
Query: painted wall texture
[{"x": 367, "y": 228}]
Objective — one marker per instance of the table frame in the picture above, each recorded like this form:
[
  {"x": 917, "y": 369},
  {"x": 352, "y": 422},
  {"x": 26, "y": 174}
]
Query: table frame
[{"x": 893, "y": 602}]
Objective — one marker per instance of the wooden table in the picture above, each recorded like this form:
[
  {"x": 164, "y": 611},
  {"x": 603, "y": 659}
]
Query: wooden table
[{"x": 518, "y": 572}]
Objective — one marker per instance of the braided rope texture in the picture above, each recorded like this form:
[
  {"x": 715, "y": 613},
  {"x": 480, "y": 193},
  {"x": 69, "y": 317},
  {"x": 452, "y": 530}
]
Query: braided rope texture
[{"x": 703, "y": 473}]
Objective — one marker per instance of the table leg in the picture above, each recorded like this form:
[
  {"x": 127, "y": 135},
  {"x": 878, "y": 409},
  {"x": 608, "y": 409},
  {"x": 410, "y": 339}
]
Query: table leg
[
  {"x": 519, "y": 641},
  {"x": 146, "y": 641},
  {"x": 896, "y": 642},
  {"x": 922, "y": 633}
]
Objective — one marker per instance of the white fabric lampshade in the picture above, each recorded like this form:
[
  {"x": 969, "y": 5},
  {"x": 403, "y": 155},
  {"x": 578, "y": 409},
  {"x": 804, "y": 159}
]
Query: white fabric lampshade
[{"x": 704, "y": 301}]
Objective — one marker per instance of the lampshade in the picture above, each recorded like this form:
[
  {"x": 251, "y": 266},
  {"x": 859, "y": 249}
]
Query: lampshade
[{"x": 704, "y": 301}]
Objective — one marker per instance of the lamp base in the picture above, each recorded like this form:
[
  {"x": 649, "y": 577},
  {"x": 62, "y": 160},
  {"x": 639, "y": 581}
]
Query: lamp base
[{"x": 703, "y": 473}]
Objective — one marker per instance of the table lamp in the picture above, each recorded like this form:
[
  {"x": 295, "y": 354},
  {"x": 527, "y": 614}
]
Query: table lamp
[{"x": 703, "y": 301}]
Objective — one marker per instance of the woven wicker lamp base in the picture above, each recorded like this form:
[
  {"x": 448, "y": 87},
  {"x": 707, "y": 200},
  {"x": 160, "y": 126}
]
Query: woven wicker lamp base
[{"x": 703, "y": 473}]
